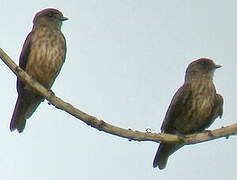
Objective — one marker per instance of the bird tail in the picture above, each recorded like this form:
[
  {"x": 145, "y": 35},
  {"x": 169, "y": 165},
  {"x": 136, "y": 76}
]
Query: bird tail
[
  {"x": 163, "y": 153},
  {"x": 24, "y": 108}
]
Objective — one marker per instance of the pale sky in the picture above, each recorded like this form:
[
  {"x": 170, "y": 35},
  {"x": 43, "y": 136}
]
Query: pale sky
[{"x": 125, "y": 61}]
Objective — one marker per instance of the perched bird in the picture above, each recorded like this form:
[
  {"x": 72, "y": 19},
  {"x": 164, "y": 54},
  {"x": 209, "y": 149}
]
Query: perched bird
[
  {"x": 193, "y": 108},
  {"x": 42, "y": 57}
]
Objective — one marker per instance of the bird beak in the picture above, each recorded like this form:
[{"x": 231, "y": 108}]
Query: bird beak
[
  {"x": 63, "y": 19},
  {"x": 217, "y": 66}
]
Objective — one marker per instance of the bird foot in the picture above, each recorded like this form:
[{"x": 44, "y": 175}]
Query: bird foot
[
  {"x": 181, "y": 136},
  {"x": 209, "y": 132},
  {"x": 51, "y": 92}
]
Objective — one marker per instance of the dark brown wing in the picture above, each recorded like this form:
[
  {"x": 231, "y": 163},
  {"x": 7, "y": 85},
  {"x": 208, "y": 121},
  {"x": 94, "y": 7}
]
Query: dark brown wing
[
  {"x": 23, "y": 60},
  {"x": 175, "y": 110},
  {"x": 218, "y": 110}
]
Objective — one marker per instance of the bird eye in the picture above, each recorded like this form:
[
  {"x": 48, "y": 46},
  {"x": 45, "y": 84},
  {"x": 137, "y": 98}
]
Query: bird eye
[
  {"x": 203, "y": 62},
  {"x": 50, "y": 15}
]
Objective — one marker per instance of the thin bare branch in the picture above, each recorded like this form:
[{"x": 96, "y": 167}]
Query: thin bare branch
[{"x": 101, "y": 125}]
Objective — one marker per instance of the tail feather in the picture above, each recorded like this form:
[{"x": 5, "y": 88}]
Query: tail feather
[
  {"x": 163, "y": 153},
  {"x": 18, "y": 118},
  {"x": 24, "y": 108}
]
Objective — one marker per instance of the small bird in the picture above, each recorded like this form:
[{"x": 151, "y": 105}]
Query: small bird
[
  {"x": 42, "y": 57},
  {"x": 193, "y": 108}
]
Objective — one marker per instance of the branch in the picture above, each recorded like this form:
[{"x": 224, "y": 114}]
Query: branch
[{"x": 109, "y": 128}]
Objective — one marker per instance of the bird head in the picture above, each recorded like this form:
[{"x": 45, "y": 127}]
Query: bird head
[
  {"x": 202, "y": 67},
  {"x": 49, "y": 16}
]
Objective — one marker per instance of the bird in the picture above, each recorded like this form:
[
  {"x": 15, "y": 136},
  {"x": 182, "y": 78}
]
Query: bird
[
  {"x": 42, "y": 57},
  {"x": 193, "y": 108}
]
